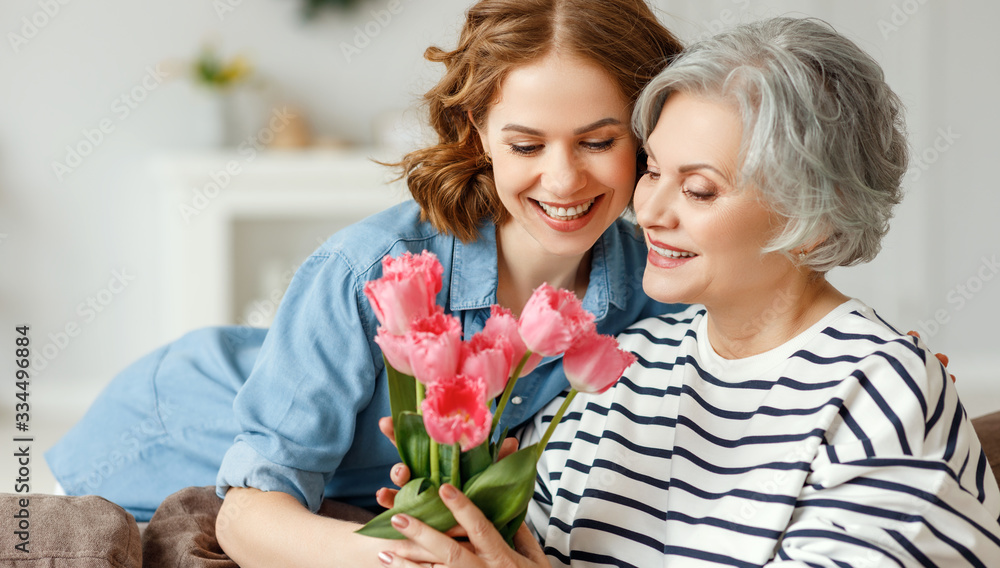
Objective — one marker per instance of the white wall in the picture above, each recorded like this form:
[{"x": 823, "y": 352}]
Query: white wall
[{"x": 62, "y": 240}]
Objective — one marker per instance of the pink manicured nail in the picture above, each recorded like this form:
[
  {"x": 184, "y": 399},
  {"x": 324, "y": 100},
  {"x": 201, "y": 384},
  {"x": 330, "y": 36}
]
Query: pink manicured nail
[
  {"x": 385, "y": 557},
  {"x": 447, "y": 491},
  {"x": 399, "y": 521}
]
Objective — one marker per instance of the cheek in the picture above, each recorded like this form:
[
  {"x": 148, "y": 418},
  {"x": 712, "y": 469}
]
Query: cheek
[
  {"x": 509, "y": 178},
  {"x": 741, "y": 234},
  {"x": 621, "y": 172}
]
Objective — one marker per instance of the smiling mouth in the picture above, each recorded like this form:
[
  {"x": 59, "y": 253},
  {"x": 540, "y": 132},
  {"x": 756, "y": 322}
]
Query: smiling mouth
[
  {"x": 671, "y": 253},
  {"x": 566, "y": 213}
]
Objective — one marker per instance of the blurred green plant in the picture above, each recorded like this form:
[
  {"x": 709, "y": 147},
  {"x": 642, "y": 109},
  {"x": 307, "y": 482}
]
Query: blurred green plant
[
  {"x": 313, "y": 7},
  {"x": 212, "y": 70}
]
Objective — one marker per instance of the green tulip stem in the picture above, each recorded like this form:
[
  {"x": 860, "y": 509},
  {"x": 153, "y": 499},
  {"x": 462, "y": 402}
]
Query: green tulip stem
[
  {"x": 555, "y": 420},
  {"x": 435, "y": 466},
  {"x": 507, "y": 390},
  {"x": 456, "y": 466}
]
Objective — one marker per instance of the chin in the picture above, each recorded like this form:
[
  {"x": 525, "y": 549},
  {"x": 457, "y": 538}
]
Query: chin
[
  {"x": 569, "y": 250},
  {"x": 662, "y": 291},
  {"x": 567, "y": 244}
]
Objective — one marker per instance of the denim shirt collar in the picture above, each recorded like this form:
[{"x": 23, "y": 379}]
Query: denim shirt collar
[{"x": 474, "y": 272}]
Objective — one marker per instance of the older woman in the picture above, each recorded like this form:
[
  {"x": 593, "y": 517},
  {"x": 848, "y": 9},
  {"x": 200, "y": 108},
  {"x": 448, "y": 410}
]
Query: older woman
[{"x": 776, "y": 420}]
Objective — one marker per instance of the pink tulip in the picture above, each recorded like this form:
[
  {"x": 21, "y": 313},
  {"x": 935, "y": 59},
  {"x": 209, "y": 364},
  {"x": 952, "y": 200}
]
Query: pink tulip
[
  {"x": 594, "y": 363},
  {"x": 406, "y": 291},
  {"x": 489, "y": 358},
  {"x": 435, "y": 347},
  {"x": 455, "y": 411},
  {"x": 396, "y": 349},
  {"x": 503, "y": 324},
  {"x": 552, "y": 320}
]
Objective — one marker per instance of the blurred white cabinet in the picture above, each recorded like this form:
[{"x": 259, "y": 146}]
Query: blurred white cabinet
[{"x": 236, "y": 226}]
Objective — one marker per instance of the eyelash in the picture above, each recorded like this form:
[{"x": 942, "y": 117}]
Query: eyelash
[
  {"x": 697, "y": 196},
  {"x": 521, "y": 150}
]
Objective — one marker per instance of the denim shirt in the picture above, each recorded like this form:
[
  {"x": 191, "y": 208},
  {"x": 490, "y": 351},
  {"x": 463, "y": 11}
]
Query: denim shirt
[{"x": 309, "y": 410}]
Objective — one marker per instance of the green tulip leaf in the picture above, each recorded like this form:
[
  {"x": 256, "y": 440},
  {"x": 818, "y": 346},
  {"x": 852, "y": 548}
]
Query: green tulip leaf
[
  {"x": 507, "y": 531},
  {"x": 413, "y": 443},
  {"x": 476, "y": 460},
  {"x": 503, "y": 490},
  {"x": 419, "y": 499},
  {"x": 402, "y": 392},
  {"x": 409, "y": 493},
  {"x": 495, "y": 448}
]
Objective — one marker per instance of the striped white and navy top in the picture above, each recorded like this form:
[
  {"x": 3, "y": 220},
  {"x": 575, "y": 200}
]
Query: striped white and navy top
[{"x": 846, "y": 446}]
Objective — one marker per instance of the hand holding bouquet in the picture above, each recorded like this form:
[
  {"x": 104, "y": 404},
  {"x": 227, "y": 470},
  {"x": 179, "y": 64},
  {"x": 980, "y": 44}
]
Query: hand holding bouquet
[{"x": 441, "y": 389}]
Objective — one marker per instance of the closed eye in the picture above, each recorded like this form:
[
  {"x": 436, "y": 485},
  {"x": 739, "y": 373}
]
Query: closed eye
[
  {"x": 600, "y": 146},
  {"x": 524, "y": 149}
]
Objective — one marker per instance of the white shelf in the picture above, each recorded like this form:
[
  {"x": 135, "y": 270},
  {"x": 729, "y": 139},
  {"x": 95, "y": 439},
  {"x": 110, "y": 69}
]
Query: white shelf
[{"x": 231, "y": 222}]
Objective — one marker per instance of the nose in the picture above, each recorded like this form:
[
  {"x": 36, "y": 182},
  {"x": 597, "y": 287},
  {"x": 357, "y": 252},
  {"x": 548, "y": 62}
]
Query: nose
[
  {"x": 563, "y": 174},
  {"x": 654, "y": 204}
]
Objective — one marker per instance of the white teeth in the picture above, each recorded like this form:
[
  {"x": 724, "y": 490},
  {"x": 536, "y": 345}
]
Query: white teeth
[
  {"x": 564, "y": 214},
  {"x": 671, "y": 253}
]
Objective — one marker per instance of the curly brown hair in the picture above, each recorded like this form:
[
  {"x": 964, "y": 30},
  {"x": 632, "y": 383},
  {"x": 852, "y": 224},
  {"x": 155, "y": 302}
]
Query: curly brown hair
[{"x": 452, "y": 181}]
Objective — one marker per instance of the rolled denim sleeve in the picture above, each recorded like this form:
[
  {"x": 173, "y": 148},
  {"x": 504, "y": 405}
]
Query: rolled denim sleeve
[
  {"x": 316, "y": 372},
  {"x": 244, "y": 467}
]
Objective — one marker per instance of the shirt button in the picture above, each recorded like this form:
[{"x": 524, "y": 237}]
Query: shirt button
[{"x": 516, "y": 400}]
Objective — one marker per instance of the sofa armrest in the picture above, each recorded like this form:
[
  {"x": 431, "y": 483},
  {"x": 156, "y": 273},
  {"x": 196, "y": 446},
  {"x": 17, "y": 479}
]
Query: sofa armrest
[{"x": 988, "y": 429}]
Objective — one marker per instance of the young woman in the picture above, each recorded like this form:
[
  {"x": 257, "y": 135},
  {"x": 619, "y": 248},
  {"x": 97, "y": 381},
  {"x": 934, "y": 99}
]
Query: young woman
[
  {"x": 776, "y": 421},
  {"x": 534, "y": 166}
]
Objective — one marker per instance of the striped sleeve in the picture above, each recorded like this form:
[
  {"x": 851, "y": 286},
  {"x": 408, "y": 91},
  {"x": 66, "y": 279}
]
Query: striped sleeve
[{"x": 901, "y": 479}]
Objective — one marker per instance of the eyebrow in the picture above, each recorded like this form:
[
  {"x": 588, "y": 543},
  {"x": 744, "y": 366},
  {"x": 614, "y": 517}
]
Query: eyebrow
[
  {"x": 695, "y": 167},
  {"x": 690, "y": 167},
  {"x": 583, "y": 129}
]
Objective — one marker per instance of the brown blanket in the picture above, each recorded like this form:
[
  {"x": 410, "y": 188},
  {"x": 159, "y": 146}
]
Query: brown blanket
[{"x": 182, "y": 531}]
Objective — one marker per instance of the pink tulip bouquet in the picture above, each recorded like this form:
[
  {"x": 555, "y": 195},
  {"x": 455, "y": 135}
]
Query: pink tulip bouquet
[{"x": 442, "y": 388}]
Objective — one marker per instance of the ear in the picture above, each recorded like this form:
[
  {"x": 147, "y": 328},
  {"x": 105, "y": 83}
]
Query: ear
[{"x": 483, "y": 138}]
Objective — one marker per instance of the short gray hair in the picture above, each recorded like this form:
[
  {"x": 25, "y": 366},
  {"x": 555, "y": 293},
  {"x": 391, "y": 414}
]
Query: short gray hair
[{"x": 823, "y": 134}]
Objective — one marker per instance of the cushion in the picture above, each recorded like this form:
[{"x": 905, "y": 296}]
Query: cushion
[{"x": 59, "y": 531}]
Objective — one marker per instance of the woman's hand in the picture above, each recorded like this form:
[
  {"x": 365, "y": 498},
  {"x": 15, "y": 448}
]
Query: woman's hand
[
  {"x": 486, "y": 548},
  {"x": 400, "y": 474},
  {"x": 940, "y": 356}
]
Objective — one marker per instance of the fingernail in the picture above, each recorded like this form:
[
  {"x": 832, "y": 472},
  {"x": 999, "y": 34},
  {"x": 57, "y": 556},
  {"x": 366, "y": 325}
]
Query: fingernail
[
  {"x": 397, "y": 470},
  {"x": 447, "y": 491},
  {"x": 385, "y": 557},
  {"x": 399, "y": 521}
]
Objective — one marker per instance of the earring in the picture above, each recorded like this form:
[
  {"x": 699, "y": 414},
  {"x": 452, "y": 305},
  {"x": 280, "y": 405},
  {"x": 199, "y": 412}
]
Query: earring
[{"x": 802, "y": 256}]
